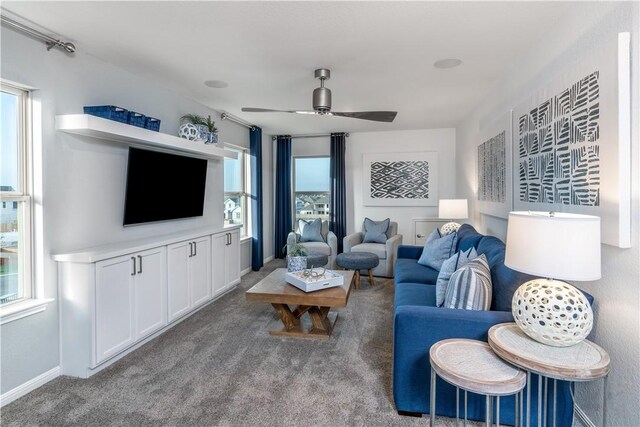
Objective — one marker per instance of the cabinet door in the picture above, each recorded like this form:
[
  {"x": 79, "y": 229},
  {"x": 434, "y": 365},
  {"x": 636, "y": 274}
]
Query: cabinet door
[
  {"x": 233, "y": 259},
  {"x": 114, "y": 306},
  {"x": 179, "y": 301},
  {"x": 200, "y": 271},
  {"x": 218, "y": 262},
  {"x": 150, "y": 289}
]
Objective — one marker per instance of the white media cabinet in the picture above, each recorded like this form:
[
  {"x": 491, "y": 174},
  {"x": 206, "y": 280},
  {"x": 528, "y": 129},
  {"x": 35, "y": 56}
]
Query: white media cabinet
[{"x": 115, "y": 298}]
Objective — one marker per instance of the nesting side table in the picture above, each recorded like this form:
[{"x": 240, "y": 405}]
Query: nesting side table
[
  {"x": 470, "y": 365},
  {"x": 584, "y": 361}
]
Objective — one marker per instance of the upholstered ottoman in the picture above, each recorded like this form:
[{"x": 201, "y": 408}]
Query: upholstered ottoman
[
  {"x": 316, "y": 259},
  {"x": 358, "y": 261}
]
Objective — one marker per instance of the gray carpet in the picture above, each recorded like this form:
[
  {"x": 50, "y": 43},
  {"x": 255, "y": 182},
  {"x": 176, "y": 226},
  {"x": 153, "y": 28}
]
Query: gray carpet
[{"x": 222, "y": 367}]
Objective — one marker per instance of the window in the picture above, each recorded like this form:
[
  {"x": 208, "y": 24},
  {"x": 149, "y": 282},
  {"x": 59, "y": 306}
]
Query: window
[
  {"x": 15, "y": 216},
  {"x": 311, "y": 187},
  {"x": 236, "y": 189}
]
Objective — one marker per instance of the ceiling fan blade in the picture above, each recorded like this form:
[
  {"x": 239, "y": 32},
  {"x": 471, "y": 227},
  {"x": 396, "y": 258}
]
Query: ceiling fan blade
[
  {"x": 267, "y": 110},
  {"x": 376, "y": 116}
]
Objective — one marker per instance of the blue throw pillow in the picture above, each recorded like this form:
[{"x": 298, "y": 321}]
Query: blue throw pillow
[
  {"x": 470, "y": 286},
  {"x": 458, "y": 260},
  {"x": 437, "y": 249},
  {"x": 310, "y": 231},
  {"x": 375, "y": 231}
]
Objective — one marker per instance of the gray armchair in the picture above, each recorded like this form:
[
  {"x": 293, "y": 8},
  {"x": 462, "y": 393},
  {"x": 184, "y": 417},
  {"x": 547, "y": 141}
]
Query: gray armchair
[
  {"x": 329, "y": 247},
  {"x": 387, "y": 252}
]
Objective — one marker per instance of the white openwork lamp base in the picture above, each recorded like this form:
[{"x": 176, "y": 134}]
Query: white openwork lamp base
[
  {"x": 449, "y": 228},
  {"x": 552, "y": 312}
]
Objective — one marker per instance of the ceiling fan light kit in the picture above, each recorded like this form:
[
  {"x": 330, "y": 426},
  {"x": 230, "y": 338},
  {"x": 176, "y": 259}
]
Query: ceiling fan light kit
[{"x": 322, "y": 104}]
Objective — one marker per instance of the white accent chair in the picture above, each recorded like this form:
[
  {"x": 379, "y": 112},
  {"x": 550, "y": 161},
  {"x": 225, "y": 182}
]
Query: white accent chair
[
  {"x": 386, "y": 252},
  {"x": 329, "y": 247}
]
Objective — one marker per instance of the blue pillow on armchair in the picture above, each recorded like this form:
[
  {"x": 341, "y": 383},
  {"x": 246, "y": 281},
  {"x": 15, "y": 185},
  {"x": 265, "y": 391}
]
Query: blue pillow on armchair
[
  {"x": 437, "y": 249},
  {"x": 310, "y": 231},
  {"x": 375, "y": 231}
]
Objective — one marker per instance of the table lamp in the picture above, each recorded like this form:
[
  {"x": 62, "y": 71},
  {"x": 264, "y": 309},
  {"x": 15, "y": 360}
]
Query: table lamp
[
  {"x": 559, "y": 246},
  {"x": 452, "y": 209}
]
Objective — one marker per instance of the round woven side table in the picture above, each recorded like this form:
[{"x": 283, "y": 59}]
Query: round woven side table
[{"x": 472, "y": 366}]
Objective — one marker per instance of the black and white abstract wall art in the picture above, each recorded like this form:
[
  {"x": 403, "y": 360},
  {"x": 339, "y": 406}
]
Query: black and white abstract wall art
[
  {"x": 400, "y": 179},
  {"x": 572, "y": 142},
  {"x": 559, "y": 147},
  {"x": 492, "y": 169},
  {"x": 494, "y": 174}
]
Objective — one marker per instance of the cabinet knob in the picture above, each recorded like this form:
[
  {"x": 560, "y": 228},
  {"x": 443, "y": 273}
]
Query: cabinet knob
[
  {"x": 140, "y": 266},
  {"x": 195, "y": 248},
  {"x": 190, "y": 249},
  {"x": 419, "y": 236}
]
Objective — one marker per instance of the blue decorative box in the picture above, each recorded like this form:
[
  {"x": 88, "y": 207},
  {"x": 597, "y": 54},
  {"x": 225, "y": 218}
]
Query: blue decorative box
[
  {"x": 136, "y": 119},
  {"x": 110, "y": 112},
  {"x": 152, "y": 124}
]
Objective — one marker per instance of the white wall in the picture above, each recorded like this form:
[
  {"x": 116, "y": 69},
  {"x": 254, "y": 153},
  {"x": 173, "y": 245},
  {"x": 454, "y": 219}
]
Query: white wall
[
  {"x": 617, "y": 294},
  {"x": 83, "y": 180},
  {"x": 442, "y": 141}
]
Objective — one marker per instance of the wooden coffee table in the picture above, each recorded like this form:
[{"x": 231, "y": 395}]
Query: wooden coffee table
[{"x": 273, "y": 289}]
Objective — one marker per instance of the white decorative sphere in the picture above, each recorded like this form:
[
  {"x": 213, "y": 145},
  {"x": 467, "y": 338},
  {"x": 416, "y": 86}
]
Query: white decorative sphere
[
  {"x": 552, "y": 312},
  {"x": 189, "y": 132},
  {"x": 449, "y": 228}
]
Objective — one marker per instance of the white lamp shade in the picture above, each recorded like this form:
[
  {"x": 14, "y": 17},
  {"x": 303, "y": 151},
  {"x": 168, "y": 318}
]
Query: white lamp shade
[
  {"x": 559, "y": 246},
  {"x": 453, "y": 209}
]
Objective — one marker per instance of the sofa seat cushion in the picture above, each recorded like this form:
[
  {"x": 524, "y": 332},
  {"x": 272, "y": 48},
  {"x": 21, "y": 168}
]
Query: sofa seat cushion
[
  {"x": 374, "y": 248},
  {"x": 319, "y": 247},
  {"x": 415, "y": 294},
  {"x": 408, "y": 270}
]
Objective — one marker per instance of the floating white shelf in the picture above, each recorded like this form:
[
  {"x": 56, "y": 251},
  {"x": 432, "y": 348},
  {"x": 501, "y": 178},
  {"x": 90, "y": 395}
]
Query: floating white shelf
[{"x": 97, "y": 127}]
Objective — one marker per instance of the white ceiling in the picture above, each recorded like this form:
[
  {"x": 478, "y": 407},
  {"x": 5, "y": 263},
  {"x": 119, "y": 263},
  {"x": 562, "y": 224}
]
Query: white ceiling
[{"x": 381, "y": 54}]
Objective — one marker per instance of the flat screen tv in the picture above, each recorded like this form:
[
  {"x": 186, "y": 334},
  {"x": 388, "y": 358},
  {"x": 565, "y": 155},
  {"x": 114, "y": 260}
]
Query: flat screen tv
[{"x": 162, "y": 186}]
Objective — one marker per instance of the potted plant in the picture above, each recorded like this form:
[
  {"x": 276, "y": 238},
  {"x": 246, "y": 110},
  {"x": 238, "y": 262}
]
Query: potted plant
[
  {"x": 207, "y": 130},
  {"x": 296, "y": 258}
]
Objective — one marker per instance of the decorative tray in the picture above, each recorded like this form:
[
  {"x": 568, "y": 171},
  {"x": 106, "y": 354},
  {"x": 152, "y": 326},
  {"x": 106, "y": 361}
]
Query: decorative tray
[{"x": 310, "y": 280}]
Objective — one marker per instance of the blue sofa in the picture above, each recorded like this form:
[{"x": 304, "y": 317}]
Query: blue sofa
[{"x": 418, "y": 324}]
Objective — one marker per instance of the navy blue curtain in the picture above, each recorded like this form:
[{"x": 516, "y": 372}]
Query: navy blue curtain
[
  {"x": 255, "y": 151},
  {"x": 283, "y": 194},
  {"x": 338, "y": 207}
]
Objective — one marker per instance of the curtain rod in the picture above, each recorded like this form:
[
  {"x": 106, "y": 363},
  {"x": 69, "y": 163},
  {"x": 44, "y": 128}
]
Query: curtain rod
[
  {"x": 49, "y": 41},
  {"x": 227, "y": 116},
  {"x": 311, "y": 135}
]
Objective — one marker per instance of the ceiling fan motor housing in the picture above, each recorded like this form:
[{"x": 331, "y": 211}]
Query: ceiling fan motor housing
[{"x": 322, "y": 99}]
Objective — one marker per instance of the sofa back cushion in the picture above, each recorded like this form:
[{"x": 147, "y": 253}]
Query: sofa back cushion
[
  {"x": 468, "y": 237},
  {"x": 504, "y": 280}
]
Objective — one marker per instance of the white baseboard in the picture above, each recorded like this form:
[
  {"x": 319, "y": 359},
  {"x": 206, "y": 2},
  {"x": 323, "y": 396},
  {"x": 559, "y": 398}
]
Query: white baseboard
[
  {"x": 29, "y": 386},
  {"x": 245, "y": 271},
  {"x": 582, "y": 417},
  {"x": 267, "y": 259}
]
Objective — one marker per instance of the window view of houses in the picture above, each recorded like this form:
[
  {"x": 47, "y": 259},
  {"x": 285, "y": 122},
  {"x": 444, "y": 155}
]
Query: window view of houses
[
  {"x": 233, "y": 209},
  {"x": 9, "y": 285},
  {"x": 311, "y": 187},
  {"x": 312, "y": 205}
]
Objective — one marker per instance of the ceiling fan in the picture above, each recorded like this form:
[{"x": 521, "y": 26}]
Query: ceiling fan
[{"x": 322, "y": 104}]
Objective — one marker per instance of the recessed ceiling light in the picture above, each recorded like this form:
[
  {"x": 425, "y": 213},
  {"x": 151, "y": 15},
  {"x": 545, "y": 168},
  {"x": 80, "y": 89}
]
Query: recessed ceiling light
[
  {"x": 216, "y": 84},
  {"x": 447, "y": 63}
]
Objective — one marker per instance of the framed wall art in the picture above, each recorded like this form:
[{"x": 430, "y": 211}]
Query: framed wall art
[
  {"x": 400, "y": 179},
  {"x": 494, "y": 170},
  {"x": 573, "y": 143}
]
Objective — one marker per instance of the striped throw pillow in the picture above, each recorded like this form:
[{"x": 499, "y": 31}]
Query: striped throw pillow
[{"x": 470, "y": 286}]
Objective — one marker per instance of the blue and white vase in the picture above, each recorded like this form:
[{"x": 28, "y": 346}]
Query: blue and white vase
[
  {"x": 203, "y": 133},
  {"x": 212, "y": 138},
  {"x": 296, "y": 263}
]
